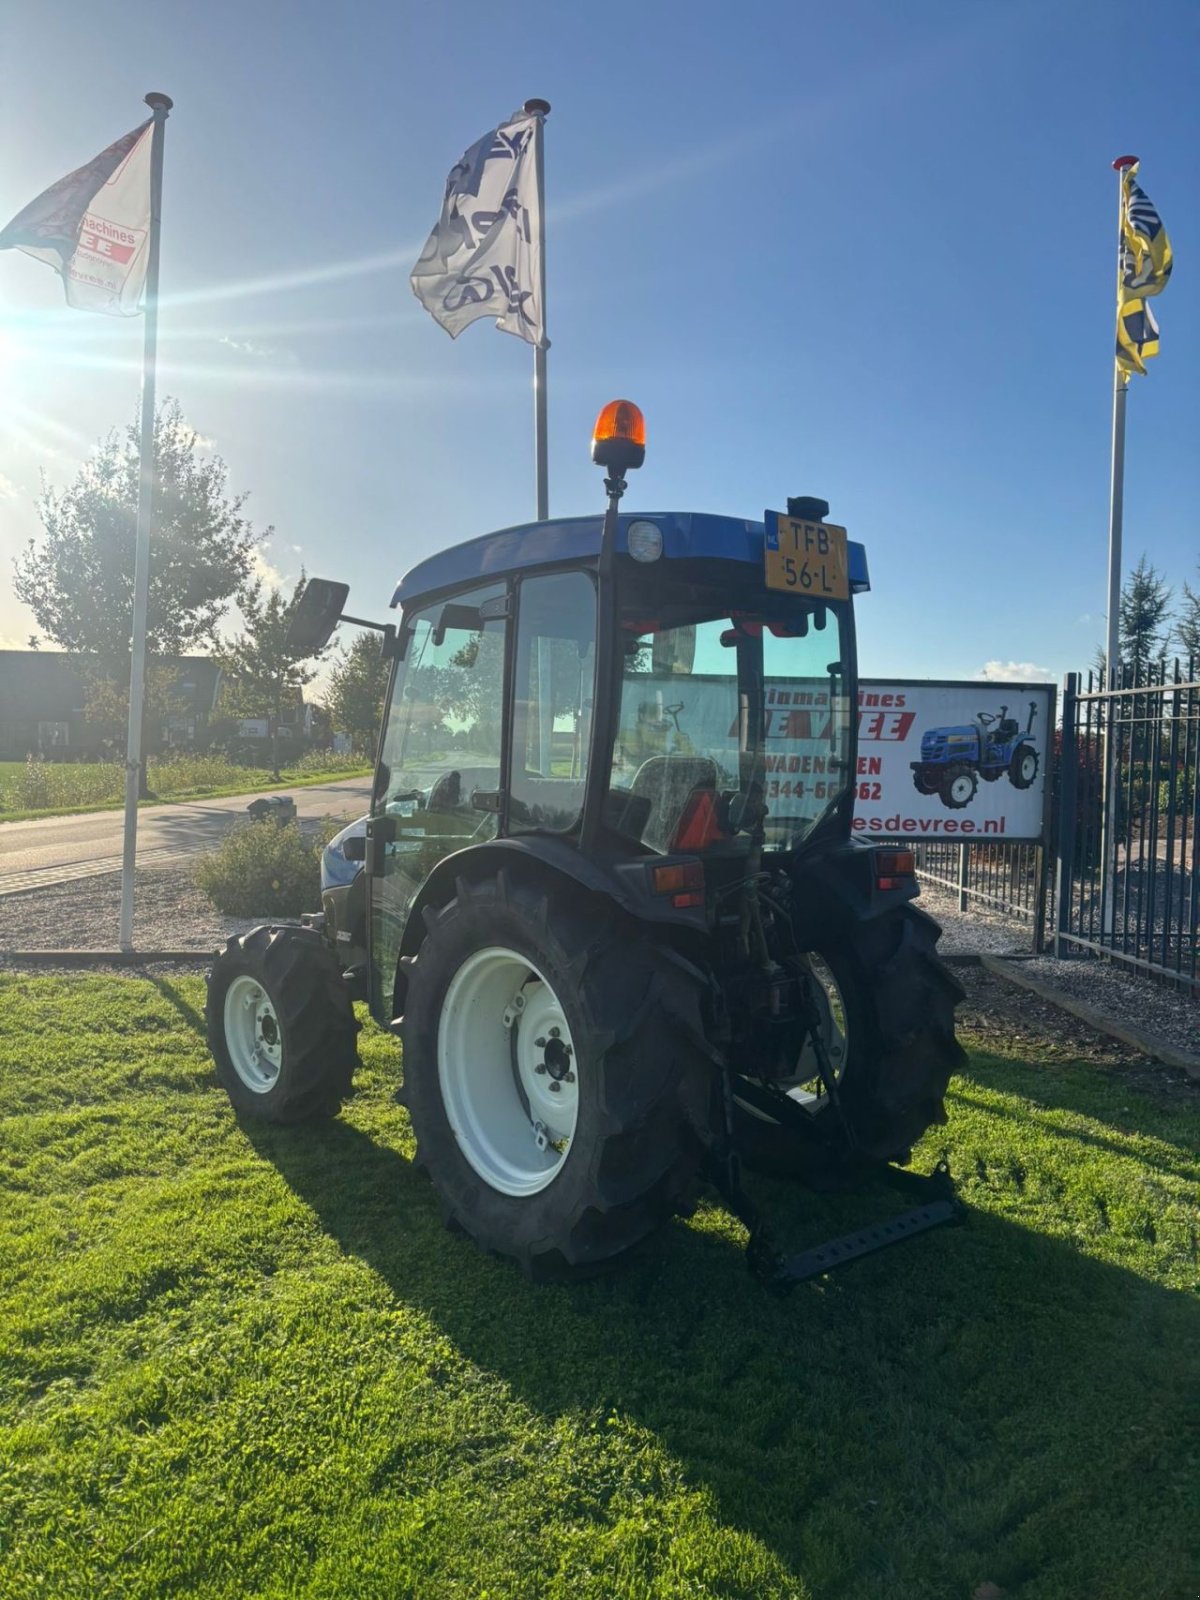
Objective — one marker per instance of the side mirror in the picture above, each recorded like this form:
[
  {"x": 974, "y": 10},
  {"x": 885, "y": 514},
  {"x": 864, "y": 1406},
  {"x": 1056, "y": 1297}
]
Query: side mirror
[{"x": 317, "y": 615}]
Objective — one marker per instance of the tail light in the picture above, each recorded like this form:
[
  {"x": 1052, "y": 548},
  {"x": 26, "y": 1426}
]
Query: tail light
[
  {"x": 894, "y": 869},
  {"x": 683, "y": 881}
]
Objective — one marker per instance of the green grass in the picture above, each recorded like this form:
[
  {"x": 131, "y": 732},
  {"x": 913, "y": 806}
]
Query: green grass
[
  {"x": 78, "y": 787},
  {"x": 239, "y": 1361}
]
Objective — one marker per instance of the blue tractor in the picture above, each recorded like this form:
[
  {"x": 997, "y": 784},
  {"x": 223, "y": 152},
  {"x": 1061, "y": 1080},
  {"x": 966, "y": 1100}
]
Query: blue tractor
[
  {"x": 618, "y": 965},
  {"x": 954, "y": 759}
]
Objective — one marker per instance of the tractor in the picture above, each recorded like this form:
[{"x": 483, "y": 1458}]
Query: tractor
[
  {"x": 954, "y": 759},
  {"x": 618, "y": 967}
]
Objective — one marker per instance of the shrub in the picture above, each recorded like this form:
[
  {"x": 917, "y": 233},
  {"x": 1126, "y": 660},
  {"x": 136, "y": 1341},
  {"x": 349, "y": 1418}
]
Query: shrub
[{"x": 263, "y": 870}]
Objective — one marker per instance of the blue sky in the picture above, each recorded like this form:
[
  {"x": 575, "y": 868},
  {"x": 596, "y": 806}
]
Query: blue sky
[{"x": 864, "y": 251}]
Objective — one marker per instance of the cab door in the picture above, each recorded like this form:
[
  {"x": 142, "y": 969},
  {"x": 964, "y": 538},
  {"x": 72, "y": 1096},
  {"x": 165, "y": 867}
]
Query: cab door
[{"x": 438, "y": 782}]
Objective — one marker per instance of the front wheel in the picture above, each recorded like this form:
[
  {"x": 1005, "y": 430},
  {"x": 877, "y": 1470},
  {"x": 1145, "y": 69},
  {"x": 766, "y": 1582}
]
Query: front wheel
[
  {"x": 958, "y": 786},
  {"x": 281, "y": 1026},
  {"x": 556, "y": 1074}
]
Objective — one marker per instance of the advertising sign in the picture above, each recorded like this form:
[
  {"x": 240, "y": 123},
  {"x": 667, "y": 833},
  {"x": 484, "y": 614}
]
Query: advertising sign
[{"x": 957, "y": 760}]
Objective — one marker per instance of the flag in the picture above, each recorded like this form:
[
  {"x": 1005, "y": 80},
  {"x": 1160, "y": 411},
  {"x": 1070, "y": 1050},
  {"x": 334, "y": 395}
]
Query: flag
[
  {"x": 483, "y": 259},
  {"x": 1143, "y": 269},
  {"x": 93, "y": 227},
  {"x": 1146, "y": 259},
  {"x": 1137, "y": 335}
]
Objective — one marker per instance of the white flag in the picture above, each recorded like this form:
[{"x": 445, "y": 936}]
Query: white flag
[
  {"x": 93, "y": 226},
  {"x": 484, "y": 257}
]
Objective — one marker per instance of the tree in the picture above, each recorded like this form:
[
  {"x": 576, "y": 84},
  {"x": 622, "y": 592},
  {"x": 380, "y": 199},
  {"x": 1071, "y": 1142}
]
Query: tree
[
  {"x": 1145, "y": 620},
  {"x": 266, "y": 674},
  {"x": 77, "y": 578},
  {"x": 1144, "y": 625},
  {"x": 357, "y": 685},
  {"x": 1187, "y": 628}
]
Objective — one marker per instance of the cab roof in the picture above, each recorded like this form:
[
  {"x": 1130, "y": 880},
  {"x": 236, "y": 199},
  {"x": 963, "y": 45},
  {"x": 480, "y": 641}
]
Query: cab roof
[{"x": 693, "y": 534}]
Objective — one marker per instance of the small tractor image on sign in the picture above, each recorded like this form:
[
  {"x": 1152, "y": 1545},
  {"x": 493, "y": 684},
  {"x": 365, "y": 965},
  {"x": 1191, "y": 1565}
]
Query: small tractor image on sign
[
  {"x": 992, "y": 746},
  {"x": 619, "y": 968}
]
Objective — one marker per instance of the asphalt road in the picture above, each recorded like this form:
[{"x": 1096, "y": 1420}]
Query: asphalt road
[{"x": 59, "y": 849}]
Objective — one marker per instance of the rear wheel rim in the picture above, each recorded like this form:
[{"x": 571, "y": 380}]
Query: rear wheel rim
[
  {"x": 1028, "y": 766},
  {"x": 834, "y": 1028},
  {"x": 252, "y": 1034},
  {"x": 508, "y": 1071}
]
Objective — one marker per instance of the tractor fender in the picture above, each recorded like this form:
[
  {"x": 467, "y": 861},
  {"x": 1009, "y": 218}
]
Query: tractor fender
[
  {"x": 837, "y": 889},
  {"x": 626, "y": 883}
]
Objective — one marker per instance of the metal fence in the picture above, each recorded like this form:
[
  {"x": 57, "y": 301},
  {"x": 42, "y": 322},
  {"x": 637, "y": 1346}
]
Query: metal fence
[
  {"x": 1010, "y": 879},
  {"x": 1128, "y": 815}
]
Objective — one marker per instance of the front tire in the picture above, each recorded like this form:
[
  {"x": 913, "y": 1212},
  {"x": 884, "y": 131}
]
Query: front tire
[
  {"x": 515, "y": 989},
  {"x": 281, "y": 1025},
  {"x": 958, "y": 786}
]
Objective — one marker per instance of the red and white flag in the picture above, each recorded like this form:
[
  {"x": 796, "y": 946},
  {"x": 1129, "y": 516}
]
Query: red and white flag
[{"x": 93, "y": 227}]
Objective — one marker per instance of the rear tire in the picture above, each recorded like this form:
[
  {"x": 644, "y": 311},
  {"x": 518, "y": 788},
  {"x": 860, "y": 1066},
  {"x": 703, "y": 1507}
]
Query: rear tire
[
  {"x": 281, "y": 1026},
  {"x": 899, "y": 1048},
  {"x": 621, "y": 1154},
  {"x": 1023, "y": 768}
]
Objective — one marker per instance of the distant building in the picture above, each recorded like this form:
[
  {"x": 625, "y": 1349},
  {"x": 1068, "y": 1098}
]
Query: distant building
[{"x": 42, "y": 694}]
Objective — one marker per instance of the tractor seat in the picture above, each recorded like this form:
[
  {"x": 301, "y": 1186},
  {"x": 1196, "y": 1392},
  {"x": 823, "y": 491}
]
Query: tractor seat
[
  {"x": 1008, "y": 729},
  {"x": 667, "y": 783}
]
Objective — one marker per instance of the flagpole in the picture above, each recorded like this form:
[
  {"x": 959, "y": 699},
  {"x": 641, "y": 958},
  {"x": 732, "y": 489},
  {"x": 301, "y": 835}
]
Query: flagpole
[
  {"x": 160, "y": 105},
  {"x": 1112, "y": 649},
  {"x": 541, "y": 110}
]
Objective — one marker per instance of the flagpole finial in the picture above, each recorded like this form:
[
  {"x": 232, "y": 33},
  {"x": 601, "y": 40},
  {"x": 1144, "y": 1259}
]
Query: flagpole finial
[
  {"x": 157, "y": 101},
  {"x": 1122, "y": 162},
  {"x": 537, "y": 108}
]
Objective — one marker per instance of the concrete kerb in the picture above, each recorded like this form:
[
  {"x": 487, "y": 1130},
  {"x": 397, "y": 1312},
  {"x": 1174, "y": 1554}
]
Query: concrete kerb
[{"x": 1129, "y": 1033}]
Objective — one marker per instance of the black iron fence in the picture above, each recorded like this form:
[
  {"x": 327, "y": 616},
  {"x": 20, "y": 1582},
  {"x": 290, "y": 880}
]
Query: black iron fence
[
  {"x": 1011, "y": 880},
  {"x": 1128, "y": 822}
]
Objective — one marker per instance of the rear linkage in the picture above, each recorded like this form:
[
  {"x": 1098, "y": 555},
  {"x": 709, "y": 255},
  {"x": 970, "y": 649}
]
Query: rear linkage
[{"x": 778, "y": 1271}]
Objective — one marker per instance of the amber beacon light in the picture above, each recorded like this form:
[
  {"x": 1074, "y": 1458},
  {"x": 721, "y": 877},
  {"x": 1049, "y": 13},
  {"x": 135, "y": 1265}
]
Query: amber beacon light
[{"x": 619, "y": 437}]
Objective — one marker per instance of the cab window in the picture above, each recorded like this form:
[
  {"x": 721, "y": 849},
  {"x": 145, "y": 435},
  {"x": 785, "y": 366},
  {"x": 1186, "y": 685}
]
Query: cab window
[{"x": 552, "y": 702}]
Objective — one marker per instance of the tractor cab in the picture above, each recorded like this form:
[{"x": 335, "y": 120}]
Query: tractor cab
[
  {"x": 725, "y": 714},
  {"x": 606, "y": 892}
]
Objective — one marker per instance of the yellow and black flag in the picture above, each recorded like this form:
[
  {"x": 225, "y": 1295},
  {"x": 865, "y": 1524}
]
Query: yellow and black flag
[{"x": 1144, "y": 269}]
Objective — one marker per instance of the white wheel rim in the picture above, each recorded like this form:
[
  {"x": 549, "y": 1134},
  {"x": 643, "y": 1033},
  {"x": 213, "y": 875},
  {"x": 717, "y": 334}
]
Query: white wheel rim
[
  {"x": 1028, "y": 767},
  {"x": 835, "y": 1034},
  {"x": 960, "y": 789},
  {"x": 252, "y": 1034},
  {"x": 508, "y": 1071},
  {"x": 808, "y": 1090}
]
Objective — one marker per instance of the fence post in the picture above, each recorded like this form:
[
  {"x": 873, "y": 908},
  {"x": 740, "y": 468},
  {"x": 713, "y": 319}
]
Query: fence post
[
  {"x": 963, "y": 871},
  {"x": 1068, "y": 768}
]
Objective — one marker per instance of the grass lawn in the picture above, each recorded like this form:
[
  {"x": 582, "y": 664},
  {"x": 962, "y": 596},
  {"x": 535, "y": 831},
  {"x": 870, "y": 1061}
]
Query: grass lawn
[
  {"x": 246, "y": 1361},
  {"x": 72, "y": 788}
]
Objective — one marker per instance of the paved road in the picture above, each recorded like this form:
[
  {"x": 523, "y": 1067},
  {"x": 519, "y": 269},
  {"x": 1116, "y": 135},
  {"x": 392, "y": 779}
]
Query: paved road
[{"x": 59, "y": 849}]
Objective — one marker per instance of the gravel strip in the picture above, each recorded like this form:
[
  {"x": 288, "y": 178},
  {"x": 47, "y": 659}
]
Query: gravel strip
[
  {"x": 169, "y": 913},
  {"x": 1170, "y": 1014},
  {"x": 1173, "y": 1015},
  {"x": 971, "y": 932}
]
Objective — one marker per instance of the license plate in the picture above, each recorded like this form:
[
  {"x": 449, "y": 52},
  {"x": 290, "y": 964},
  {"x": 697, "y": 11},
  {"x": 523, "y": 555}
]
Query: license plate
[{"x": 806, "y": 558}]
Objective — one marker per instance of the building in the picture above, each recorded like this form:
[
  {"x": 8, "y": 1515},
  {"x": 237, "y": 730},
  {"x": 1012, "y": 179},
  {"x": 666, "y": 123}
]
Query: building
[{"x": 42, "y": 695}]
